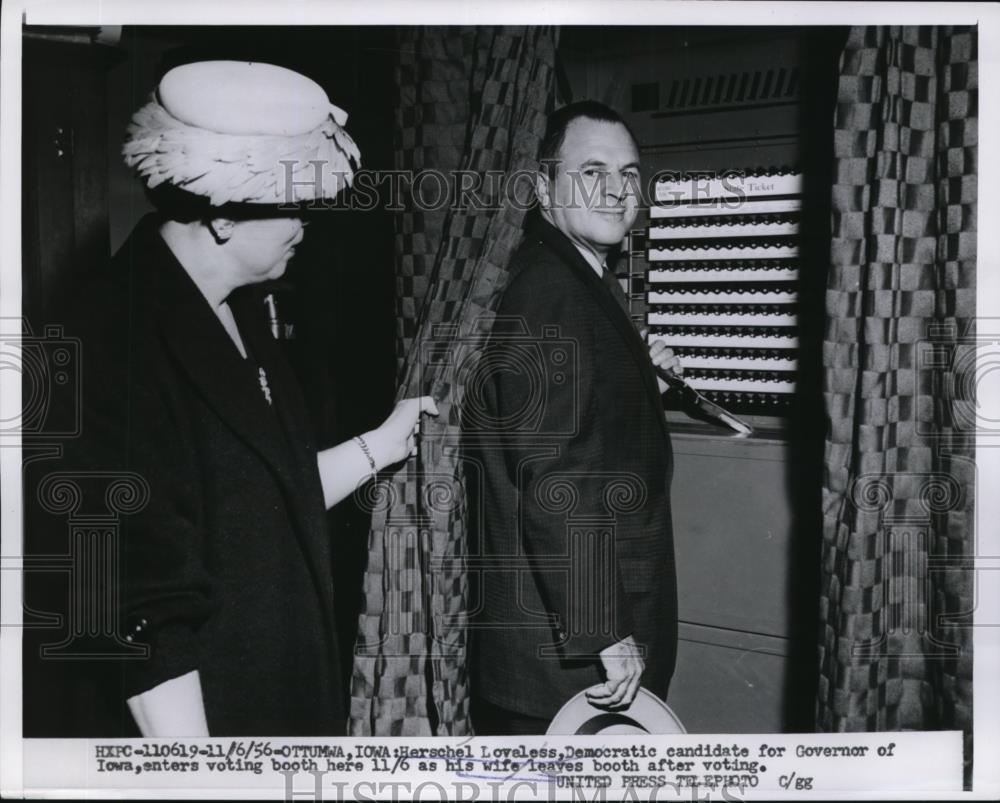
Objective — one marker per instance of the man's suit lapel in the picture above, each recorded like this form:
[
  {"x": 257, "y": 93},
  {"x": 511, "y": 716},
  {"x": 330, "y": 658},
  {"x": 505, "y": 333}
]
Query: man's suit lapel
[{"x": 569, "y": 253}]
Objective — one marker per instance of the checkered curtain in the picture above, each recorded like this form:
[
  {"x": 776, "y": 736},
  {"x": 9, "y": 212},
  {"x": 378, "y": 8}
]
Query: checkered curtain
[
  {"x": 490, "y": 90},
  {"x": 432, "y": 118},
  {"x": 897, "y": 592}
]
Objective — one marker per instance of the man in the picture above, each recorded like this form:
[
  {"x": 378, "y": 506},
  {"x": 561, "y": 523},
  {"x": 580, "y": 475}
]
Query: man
[{"x": 571, "y": 455}]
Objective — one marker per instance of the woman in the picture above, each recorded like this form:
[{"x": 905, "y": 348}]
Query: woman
[{"x": 227, "y": 567}]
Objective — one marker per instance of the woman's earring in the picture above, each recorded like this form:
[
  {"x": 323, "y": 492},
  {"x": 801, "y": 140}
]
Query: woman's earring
[{"x": 221, "y": 228}]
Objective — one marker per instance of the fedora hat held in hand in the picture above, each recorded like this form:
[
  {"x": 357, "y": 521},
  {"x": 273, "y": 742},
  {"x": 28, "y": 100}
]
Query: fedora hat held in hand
[{"x": 647, "y": 714}]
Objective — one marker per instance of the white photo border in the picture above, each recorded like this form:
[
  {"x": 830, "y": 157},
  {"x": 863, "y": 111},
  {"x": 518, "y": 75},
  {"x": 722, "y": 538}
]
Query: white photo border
[{"x": 986, "y": 783}]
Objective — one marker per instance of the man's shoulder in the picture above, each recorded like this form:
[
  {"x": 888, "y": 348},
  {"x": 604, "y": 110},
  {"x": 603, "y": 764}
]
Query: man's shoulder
[{"x": 536, "y": 269}]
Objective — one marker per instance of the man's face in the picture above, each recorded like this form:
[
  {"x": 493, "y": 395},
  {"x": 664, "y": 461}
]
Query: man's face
[{"x": 593, "y": 198}]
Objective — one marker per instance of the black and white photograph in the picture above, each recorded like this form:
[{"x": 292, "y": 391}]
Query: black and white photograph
[{"x": 545, "y": 403}]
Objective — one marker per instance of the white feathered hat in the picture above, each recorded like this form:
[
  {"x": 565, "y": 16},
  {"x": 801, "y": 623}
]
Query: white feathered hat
[{"x": 242, "y": 132}]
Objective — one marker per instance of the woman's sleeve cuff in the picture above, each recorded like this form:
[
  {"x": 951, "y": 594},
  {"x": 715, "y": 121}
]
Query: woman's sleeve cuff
[{"x": 173, "y": 652}]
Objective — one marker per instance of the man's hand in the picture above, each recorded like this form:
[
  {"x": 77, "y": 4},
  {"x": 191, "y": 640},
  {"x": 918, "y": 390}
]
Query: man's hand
[
  {"x": 664, "y": 359},
  {"x": 623, "y": 667}
]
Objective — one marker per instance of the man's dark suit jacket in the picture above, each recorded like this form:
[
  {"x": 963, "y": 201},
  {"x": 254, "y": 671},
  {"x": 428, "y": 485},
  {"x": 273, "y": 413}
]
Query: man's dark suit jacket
[
  {"x": 228, "y": 563},
  {"x": 570, "y": 466}
]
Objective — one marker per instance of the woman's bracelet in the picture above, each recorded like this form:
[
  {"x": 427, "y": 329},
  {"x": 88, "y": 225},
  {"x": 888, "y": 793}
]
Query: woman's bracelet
[{"x": 367, "y": 453}]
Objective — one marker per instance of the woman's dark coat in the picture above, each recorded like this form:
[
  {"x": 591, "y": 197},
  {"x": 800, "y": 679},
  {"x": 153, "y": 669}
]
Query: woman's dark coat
[{"x": 229, "y": 562}]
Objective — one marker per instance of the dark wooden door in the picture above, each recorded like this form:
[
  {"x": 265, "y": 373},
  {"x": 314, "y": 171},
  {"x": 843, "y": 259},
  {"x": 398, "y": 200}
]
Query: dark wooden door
[{"x": 64, "y": 166}]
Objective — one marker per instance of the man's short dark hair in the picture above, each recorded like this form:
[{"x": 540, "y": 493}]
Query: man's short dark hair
[{"x": 559, "y": 120}]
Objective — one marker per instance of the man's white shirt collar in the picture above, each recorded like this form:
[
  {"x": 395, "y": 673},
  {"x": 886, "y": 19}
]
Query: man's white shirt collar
[{"x": 592, "y": 260}]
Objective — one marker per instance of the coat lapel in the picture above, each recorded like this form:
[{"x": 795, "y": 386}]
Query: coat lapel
[
  {"x": 207, "y": 356},
  {"x": 289, "y": 405},
  {"x": 291, "y": 419},
  {"x": 569, "y": 253}
]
